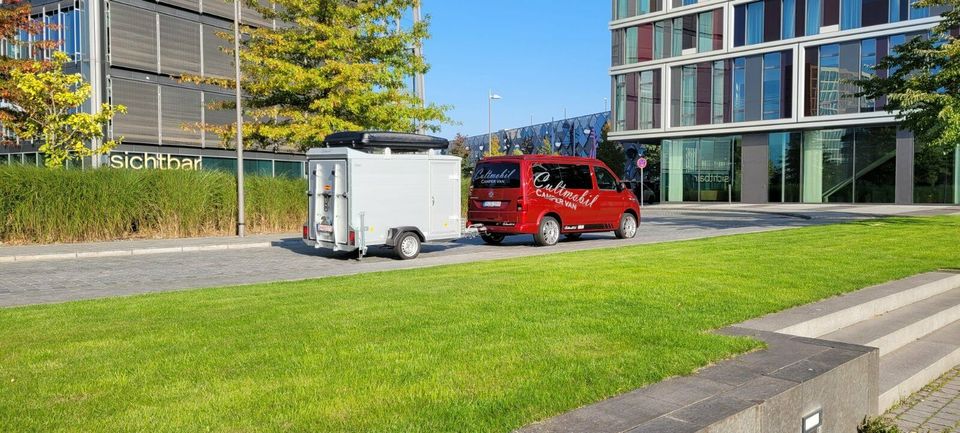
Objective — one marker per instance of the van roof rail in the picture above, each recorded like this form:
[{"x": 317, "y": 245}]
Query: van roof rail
[{"x": 396, "y": 141}]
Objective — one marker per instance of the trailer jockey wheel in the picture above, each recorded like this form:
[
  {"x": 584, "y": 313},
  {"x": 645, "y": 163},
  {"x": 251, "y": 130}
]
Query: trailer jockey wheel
[{"x": 408, "y": 246}]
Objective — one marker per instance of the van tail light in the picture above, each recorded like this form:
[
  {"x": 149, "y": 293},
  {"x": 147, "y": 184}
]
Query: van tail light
[
  {"x": 519, "y": 205},
  {"x": 353, "y": 237},
  {"x": 306, "y": 232}
]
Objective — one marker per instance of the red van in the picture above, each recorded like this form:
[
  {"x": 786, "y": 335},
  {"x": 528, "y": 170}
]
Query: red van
[{"x": 549, "y": 196}]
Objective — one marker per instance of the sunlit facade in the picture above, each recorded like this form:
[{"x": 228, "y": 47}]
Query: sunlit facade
[{"x": 750, "y": 101}]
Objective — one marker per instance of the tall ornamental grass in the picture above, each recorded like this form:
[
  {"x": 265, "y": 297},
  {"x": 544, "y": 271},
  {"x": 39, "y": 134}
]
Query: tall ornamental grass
[{"x": 39, "y": 205}]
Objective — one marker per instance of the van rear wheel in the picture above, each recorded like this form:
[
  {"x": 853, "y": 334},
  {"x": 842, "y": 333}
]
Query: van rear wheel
[
  {"x": 493, "y": 238},
  {"x": 628, "y": 226},
  {"x": 549, "y": 232},
  {"x": 408, "y": 246}
]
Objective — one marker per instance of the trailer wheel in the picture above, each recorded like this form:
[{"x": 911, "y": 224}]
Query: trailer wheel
[
  {"x": 628, "y": 226},
  {"x": 493, "y": 238},
  {"x": 549, "y": 232},
  {"x": 408, "y": 246}
]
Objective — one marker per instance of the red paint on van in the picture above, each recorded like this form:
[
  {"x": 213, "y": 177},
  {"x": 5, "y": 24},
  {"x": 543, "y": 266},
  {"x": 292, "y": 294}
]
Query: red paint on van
[{"x": 513, "y": 194}]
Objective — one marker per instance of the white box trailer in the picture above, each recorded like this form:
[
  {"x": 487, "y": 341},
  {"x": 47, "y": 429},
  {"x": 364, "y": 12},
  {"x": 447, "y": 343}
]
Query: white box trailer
[{"x": 360, "y": 199}]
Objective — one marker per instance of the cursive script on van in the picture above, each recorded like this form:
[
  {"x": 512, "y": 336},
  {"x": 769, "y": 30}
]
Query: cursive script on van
[
  {"x": 560, "y": 194},
  {"x": 489, "y": 177}
]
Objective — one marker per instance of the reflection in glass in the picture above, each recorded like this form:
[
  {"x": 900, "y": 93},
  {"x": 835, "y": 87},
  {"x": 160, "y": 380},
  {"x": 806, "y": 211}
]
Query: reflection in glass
[
  {"x": 936, "y": 175},
  {"x": 771, "y": 86},
  {"x": 829, "y": 80},
  {"x": 754, "y": 23}
]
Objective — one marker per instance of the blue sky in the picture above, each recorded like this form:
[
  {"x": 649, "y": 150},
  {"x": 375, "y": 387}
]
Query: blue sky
[{"x": 542, "y": 56}]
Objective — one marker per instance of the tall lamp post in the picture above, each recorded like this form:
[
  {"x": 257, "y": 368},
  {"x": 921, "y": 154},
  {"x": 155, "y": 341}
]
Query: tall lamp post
[
  {"x": 490, "y": 98},
  {"x": 241, "y": 224}
]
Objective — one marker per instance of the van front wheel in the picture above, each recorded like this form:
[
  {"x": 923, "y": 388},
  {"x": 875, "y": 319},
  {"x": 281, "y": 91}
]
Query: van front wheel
[
  {"x": 628, "y": 226},
  {"x": 549, "y": 232}
]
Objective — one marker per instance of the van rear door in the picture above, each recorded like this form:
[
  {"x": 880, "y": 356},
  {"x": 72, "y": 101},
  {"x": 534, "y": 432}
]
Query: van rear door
[
  {"x": 496, "y": 190},
  {"x": 332, "y": 206}
]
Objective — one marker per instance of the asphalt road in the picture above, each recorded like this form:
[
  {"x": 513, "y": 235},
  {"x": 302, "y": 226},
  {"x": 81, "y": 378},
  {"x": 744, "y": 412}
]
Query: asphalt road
[{"x": 69, "y": 280}]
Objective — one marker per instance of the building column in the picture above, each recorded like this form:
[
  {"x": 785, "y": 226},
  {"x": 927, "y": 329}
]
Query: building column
[
  {"x": 906, "y": 153},
  {"x": 812, "y": 171},
  {"x": 756, "y": 168}
]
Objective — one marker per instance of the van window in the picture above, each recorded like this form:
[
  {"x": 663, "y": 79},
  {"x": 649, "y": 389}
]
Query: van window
[
  {"x": 605, "y": 179},
  {"x": 569, "y": 176},
  {"x": 497, "y": 175}
]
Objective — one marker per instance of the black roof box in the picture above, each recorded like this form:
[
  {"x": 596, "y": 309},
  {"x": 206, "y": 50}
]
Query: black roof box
[{"x": 396, "y": 141}]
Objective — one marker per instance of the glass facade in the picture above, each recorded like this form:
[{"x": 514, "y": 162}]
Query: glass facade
[
  {"x": 856, "y": 165},
  {"x": 936, "y": 175},
  {"x": 631, "y": 8},
  {"x": 830, "y": 70},
  {"x": 772, "y": 20},
  {"x": 637, "y": 101},
  {"x": 674, "y": 37},
  {"x": 738, "y": 90},
  {"x": 701, "y": 169}
]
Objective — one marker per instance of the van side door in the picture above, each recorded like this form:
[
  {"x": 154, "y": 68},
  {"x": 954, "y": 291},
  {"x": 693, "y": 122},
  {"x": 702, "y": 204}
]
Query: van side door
[{"x": 611, "y": 200}]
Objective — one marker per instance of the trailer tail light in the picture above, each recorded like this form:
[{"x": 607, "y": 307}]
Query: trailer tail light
[
  {"x": 353, "y": 237},
  {"x": 306, "y": 232}
]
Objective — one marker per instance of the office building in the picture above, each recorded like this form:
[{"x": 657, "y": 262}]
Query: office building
[{"x": 751, "y": 101}]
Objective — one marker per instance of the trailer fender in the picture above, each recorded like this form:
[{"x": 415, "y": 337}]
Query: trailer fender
[{"x": 394, "y": 233}]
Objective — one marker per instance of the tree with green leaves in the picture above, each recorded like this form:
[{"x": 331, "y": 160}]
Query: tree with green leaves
[
  {"x": 49, "y": 110},
  {"x": 14, "y": 21},
  {"x": 338, "y": 66},
  {"x": 922, "y": 81},
  {"x": 611, "y": 152}
]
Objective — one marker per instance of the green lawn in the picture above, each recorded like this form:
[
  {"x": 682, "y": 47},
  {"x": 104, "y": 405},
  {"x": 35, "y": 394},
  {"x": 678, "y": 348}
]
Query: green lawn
[{"x": 483, "y": 347}]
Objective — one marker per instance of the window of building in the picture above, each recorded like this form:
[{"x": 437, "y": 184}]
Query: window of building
[
  {"x": 868, "y": 59},
  {"x": 936, "y": 175},
  {"x": 739, "y": 89},
  {"x": 630, "y": 45},
  {"x": 632, "y": 8},
  {"x": 788, "y": 25},
  {"x": 850, "y": 14},
  {"x": 754, "y": 23},
  {"x": 701, "y": 169},
  {"x": 829, "y": 80},
  {"x": 720, "y": 101},
  {"x": 649, "y": 99},
  {"x": 785, "y": 162},
  {"x": 705, "y": 32},
  {"x": 620, "y": 102},
  {"x": 813, "y": 22},
  {"x": 771, "y": 86}
]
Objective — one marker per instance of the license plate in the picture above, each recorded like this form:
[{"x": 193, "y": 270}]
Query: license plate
[
  {"x": 492, "y": 203},
  {"x": 324, "y": 228}
]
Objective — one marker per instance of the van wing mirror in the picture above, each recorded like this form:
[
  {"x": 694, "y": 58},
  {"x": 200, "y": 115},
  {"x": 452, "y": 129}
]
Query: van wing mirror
[{"x": 621, "y": 187}]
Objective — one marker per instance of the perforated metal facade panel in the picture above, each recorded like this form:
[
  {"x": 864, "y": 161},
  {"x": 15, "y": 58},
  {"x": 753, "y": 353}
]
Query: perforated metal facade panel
[
  {"x": 179, "y": 46},
  {"x": 217, "y": 117},
  {"x": 133, "y": 37},
  {"x": 193, "y": 5},
  {"x": 216, "y": 63},
  {"x": 180, "y": 109},
  {"x": 219, "y": 8},
  {"x": 140, "y": 124}
]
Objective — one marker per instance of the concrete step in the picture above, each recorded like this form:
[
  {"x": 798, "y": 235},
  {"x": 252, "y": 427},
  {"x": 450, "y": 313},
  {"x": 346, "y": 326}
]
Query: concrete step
[
  {"x": 827, "y": 316},
  {"x": 895, "y": 329},
  {"x": 913, "y": 366}
]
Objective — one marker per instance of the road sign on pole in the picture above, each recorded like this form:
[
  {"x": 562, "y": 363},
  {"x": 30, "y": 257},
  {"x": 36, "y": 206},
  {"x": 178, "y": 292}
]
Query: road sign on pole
[{"x": 641, "y": 164}]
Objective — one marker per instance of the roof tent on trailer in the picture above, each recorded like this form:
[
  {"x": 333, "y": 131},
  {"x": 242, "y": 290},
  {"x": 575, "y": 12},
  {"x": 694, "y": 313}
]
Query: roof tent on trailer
[{"x": 379, "y": 140}]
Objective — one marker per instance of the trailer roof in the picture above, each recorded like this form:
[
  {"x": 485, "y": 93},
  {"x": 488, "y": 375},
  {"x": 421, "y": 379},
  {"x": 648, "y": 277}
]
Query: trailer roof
[{"x": 397, "y": 141}]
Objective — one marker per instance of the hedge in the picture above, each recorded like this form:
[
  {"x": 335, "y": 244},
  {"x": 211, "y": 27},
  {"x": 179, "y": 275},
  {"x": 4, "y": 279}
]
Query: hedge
[{"x": 39, "y": 205}]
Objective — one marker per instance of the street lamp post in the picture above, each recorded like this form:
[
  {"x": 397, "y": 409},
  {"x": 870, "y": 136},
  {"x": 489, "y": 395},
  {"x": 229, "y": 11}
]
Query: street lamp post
[
  {"x": 490, "y": 98},
  {"x": 241, "y": 229}
]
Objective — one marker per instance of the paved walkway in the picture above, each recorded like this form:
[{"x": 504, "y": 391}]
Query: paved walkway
[{"x": 935, "y": 409}]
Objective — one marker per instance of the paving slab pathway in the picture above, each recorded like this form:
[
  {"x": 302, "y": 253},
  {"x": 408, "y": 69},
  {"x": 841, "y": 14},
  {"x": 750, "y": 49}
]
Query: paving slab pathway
[{"x": 934, "y": 409}]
